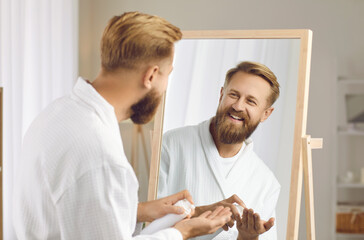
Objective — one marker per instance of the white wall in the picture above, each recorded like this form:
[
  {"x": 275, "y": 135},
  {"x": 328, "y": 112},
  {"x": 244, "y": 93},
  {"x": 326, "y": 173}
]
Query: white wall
[{"x": 338, "y": 49}]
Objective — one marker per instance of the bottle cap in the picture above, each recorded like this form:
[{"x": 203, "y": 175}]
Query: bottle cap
[
  {"x": 188, "y": 207},
  {"x": 240, "y": 208}
]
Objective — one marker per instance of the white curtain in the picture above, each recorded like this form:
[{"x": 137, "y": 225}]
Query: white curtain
[
  {"x": 194, "y": 89},
  {"x": 38, "y": 63}
]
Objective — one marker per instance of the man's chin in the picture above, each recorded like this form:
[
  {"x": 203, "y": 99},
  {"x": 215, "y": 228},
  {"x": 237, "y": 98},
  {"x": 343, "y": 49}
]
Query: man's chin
[
  {"x": 231, "y": 141},
  {"x": 142, "y": 119},
  {"x": 144, "y": 110},
  {"x": 234, "y": 125},
  {"x": 232, "y": 133}
]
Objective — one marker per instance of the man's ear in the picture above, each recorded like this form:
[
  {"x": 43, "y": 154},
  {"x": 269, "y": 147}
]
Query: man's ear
[
  {"x": 267, "y": 112},
  {"x": 150, "y": 76},
  {"x": 221, "y": 94}
]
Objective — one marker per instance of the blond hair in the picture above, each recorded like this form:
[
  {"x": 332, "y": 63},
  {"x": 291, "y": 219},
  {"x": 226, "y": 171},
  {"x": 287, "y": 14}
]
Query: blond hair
[
  {"x": 134, "y": 38},
  {"x": 259, "y": 70}
]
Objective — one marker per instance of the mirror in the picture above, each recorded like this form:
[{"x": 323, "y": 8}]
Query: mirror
[{"x": 200, "y": 65}]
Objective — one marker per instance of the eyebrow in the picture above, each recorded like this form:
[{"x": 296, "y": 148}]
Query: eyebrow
[{"x": 232, "y": 90}]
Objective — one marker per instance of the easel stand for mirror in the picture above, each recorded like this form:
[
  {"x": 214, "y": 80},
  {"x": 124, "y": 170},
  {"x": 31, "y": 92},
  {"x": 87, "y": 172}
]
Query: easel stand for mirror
[
  {"x": 302, "y": 144},
  {"x": 308, "y": 144},
  {"x": 138, "y": 132}
]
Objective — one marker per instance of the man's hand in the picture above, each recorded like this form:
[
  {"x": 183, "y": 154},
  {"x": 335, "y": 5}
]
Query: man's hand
[
  {"x": 208, "y": 222},
  {"x": 149, "y": 211},
  {"x": 250, "y": 226},
  {"x": 230, "y": 203}
]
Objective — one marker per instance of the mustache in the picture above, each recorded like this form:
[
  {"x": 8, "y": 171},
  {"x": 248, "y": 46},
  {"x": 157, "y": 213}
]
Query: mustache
[{"x": 239, "y": 114}]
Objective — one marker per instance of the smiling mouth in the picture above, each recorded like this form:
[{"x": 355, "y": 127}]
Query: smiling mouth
[{"x": 236, "y": 117}]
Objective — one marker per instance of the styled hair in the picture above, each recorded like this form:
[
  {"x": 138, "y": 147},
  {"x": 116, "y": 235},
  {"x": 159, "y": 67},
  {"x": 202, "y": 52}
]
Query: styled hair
[
  {"x": 134, "y": 38},
  {"x": 260, "y": 70}
]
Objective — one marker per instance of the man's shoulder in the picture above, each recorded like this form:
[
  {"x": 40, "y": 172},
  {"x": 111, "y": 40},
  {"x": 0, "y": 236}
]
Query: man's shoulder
[
  {"x": 181, "y": 133},
  {"x": 181, "y": 138},
  {"x": 65, "y": 113},
  {"x": 68, "y": 133},
  {"x": 61, "y": 110},
  {"x": 185, "y": 132}
]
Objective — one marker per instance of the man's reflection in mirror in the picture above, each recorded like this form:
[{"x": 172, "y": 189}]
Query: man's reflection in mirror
[{"x": 215, "y": 159}]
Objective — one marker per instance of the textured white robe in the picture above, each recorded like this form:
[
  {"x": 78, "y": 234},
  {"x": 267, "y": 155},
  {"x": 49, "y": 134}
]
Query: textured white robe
[
  {"x": 74, "y": 181},
  {"x": 189, "y": 161}
]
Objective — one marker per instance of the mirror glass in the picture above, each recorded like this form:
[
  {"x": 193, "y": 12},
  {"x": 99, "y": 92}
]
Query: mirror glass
[{"x": 200, "y": 66}]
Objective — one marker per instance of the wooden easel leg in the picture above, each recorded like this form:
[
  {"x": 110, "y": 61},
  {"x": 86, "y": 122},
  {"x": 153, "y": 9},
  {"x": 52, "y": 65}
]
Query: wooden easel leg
[
  {"x": 134, "y": 149},
  {"x": 138, "y": 130},
  {"x": 308, "y": 182},
  {"x": 295, "y": 195},
  {"x": 144, "y": 145}
]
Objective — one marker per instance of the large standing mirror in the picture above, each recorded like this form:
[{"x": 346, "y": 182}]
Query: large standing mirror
[{"x": 202, "y": 59}]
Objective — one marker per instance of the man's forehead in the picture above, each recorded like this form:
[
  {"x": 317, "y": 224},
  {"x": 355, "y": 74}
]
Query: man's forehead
[
  {"x": 249, "y": 83},
  {"x": 248, "y": 80}
]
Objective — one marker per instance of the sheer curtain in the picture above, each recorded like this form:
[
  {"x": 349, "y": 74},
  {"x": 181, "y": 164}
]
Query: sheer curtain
[
  {"x": 38, "y": 63},
  {"x": 194, "y": 89}
]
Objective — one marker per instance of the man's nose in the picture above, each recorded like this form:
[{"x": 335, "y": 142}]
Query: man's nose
[{"x": 239, "y": 105}]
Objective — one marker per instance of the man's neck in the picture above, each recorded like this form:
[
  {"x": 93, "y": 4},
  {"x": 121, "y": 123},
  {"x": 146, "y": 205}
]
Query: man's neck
[
  {"x": 116, "y": 89},
  {"x": 225, "y": 150}
]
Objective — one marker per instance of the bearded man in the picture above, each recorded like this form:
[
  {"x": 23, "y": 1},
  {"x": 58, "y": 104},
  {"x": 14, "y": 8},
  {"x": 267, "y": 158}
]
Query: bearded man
[
  {"x": 215, "y": 159},
  {"x": 74, "y": 181}
]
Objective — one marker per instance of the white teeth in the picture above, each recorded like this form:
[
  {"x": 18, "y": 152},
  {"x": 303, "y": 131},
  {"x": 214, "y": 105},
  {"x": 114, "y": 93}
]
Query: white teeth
[{"x": 235, "y": 117}]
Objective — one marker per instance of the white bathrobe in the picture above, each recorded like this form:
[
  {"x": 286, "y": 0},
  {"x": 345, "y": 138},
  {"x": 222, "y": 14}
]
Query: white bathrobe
[
  {"x": 189, "y": 161},
  {"x": 74, "y": 181}
]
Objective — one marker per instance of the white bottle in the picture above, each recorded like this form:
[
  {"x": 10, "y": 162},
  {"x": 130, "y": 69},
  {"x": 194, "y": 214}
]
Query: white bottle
[
  {"x": 240, "y": 209},
  {"x": 169, "y": 220}
]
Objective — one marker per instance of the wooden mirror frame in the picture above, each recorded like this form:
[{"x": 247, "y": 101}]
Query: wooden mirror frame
[{"x": 305, "y": 37}]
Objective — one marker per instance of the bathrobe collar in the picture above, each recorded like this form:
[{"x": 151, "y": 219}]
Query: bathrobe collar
[
  {"x": 241, "y": 165},
  {"x": 88, "y": 94},
  {"x": 85, "y": 92}
]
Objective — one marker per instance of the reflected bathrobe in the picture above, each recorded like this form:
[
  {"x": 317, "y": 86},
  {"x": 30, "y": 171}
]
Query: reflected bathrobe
[
  {"x": 73, "y": 180},
  {"x": 189, "y": 161}
]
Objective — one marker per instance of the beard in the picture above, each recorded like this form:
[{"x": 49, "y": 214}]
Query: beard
[
  {"x": 144, "y": 110},
  {"x": 231, "y": 133}
]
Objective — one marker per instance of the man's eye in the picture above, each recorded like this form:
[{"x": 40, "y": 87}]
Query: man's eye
[
  {"x": 233, "y": 95},
  {"x": 251, "y": 101}
]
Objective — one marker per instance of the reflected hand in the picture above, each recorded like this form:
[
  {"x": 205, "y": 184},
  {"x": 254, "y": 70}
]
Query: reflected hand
[
  {"x": 207, "y": 223},
  {"x": 229, "y": 202},
  {"x": 149, "y": 211},
  {"x": 250, "y": 226}
]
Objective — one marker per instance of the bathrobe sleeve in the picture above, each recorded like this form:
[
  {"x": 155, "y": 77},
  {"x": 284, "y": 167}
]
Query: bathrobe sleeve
[{"x": 99, "y": 206}]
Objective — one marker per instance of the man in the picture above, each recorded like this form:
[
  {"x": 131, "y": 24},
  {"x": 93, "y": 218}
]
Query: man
[
  {"x": 215, "y": 159},
  {"x": 74, "y": 181}
]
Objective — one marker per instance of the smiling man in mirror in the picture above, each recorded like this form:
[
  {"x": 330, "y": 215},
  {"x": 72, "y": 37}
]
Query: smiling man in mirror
[{"x": 215, "y": 159}]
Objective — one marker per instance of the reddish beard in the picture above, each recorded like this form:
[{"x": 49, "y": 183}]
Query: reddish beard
[
  {"x": 231, "y": 133},
  {"x": 144, "y": 110}
]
